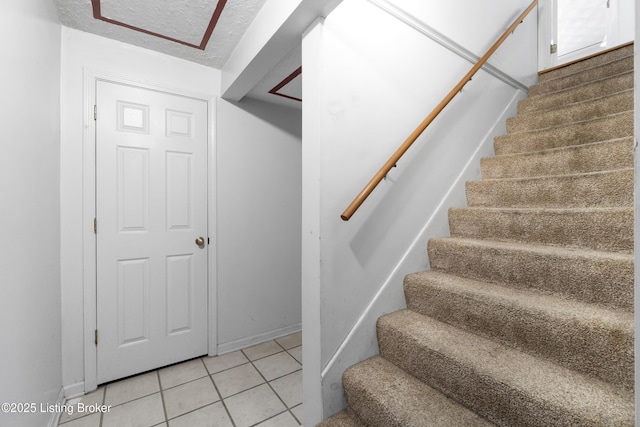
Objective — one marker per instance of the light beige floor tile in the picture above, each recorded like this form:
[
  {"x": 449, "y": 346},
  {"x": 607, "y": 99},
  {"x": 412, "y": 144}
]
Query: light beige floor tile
[
  {"x": 289, "y": 388},
  {"x": 92, "y": 420},
  {"x": 282, "y": 420},
  {"x": 182, "y": 373},
  {"x": 296, "y": 352},
  {"x": 187, "y": 397},
  {"x": 143, "y": 412},
  {"x": 290, "y": 341},
  {"x": 277, "y": 365},
  {"x": 298, "y": 412},
  {"x": 226, "y": 361},
  {"x": 262, "y": 350},
  {"x": 235, "y": 380},
  {"x": 254, "y": 405},
  {"x": 95, "y": 397},
  {"x": 131, "y": 388},
  {"x": 210, "y": 416}
]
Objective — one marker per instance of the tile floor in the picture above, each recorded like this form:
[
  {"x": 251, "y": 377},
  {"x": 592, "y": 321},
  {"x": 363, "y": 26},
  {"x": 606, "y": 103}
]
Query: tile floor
[{"x": 258, "y": 386}]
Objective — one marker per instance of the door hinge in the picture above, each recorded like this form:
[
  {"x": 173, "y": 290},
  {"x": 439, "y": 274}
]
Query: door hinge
[
  {"x": 608, "y": 4},
  {"x": 95, "y": 112},
  {"x": 95, "y": 225},
  {"x": 96, "y": 336},
  {"x": 553, "y": 48}
]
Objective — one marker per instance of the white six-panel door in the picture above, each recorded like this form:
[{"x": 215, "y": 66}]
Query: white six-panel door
[{"x": 151, "y": 207}]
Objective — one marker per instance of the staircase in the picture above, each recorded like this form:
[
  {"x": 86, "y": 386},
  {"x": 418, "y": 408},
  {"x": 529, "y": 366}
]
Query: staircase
[{"x": 526, "y": 317}]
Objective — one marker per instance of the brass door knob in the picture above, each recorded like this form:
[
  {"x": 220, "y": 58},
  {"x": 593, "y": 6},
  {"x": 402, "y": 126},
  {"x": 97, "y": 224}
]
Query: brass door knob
[{"x": 200, "y": 241}]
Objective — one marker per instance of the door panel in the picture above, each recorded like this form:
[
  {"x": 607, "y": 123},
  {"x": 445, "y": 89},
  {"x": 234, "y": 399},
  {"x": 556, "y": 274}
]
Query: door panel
[{"x": 151, "y": 179}]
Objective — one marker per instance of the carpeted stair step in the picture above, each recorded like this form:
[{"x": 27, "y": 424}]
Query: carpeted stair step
[
  {"x": 594, "y": 157},
  {"x": 504, "y": 385},
  {"x": 594, "y": 277},
  {"x": 383, "y": 395},
  {"x": 587, "y": 91},
  {"x": 596, "y": 189},
  {"x": 605, "y": 57},
  {"x": 605, "y": 229},
  {"x": 603, "y": 129},
  {"x": 589, "y": 339},
  {"x": 598, "y": 72},
  {"x": 344, "y": 418},
  {"x": 585, "y": 110}
]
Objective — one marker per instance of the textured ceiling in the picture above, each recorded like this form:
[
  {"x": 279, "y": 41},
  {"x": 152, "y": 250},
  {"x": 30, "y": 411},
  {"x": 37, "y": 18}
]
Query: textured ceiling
[
  {"x": 202, "y": 31},
  {"x": 174, "y": 27}
]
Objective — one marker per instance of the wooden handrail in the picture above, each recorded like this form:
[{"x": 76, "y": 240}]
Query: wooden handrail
[{"x": 384, "y": 170}]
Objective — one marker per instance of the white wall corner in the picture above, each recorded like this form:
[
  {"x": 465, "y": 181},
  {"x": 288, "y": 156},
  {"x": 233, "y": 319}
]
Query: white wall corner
[{"x": 312, "y": 90}]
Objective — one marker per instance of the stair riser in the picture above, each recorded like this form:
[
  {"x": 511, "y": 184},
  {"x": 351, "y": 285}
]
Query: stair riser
[
  {"x": 616, "y": 67},
  {"x": 602, "y": 189},
  {"x": 591, "y": 62},
  {"x": 609, "y": 155},
  {"x": 601, "y": 351},
  {"x": 489, "y": 397},
  {"x": 579, "y": 94},
  {"x": 596, "y": 279},
  {"x": 601, "y": 107},
  {"x": 597, "y": 230},
  {"x": 611, "y": 127}
]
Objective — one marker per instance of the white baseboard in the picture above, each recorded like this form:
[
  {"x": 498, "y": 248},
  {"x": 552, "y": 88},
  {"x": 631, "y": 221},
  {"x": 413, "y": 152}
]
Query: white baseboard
[
  {"x": 241, "y": 343},
  {"x": 55, "y": 416},
  {"x": 74, "y": 390}
]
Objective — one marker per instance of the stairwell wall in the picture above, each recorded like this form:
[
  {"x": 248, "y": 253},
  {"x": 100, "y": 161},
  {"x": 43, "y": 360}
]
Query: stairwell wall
[{"x": 368, "y": 81}]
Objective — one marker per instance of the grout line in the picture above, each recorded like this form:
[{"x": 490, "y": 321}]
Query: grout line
[
  {"x": 224, "y": 404},
  {"x": 273, "y": 390},
  {"x": 164, "y": 406},
  {"x": 104, "y": 398}
]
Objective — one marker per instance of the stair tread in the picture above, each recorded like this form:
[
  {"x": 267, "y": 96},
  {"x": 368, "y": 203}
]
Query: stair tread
[
  {"x": 574, "y": 71},
  {"x": 400, "y": 399},
  {"x": 552, "y": 150},
  {"x": 514, "y": 373},
  {"x": 602, "y": 228},
  {"x": 598, "y": 156},
  {"x": 555, "y": 177},
  {"x": 574, "y": 94},
  {"x": 583, "y": 102},
  {"x": 540, "y": 250},
  {"x": 601, "y": 106},
  {"x": 342, "y": 419},
  {"x": 582, "y": 76},
  {"x": 565, "y": 125},
  {"x": 560, "y": 308},
  {"x": 599, "y": 129}
]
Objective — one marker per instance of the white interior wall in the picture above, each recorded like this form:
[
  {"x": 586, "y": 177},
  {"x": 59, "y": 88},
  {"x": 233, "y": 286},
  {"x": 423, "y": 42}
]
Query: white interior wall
[
  {"x": 368, "y": 81},
  {"x": 259, "y": 204},
  {"x": 30, "y": 359},
  {"x": 86, "y": 52}
]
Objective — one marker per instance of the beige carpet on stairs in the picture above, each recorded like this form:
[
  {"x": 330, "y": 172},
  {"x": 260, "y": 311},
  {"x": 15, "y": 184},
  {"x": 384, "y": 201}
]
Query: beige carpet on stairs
[{"x": 526, "y": 316}]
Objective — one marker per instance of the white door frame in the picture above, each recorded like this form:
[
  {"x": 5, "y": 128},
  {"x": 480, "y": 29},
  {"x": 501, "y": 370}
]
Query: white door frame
[
  {"x": 547, "y": 32},
  {"x": 89, "y": 212}
]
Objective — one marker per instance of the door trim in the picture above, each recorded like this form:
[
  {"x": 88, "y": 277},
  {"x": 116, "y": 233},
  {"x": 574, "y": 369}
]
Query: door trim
[{"x": 89, "y": 279}]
